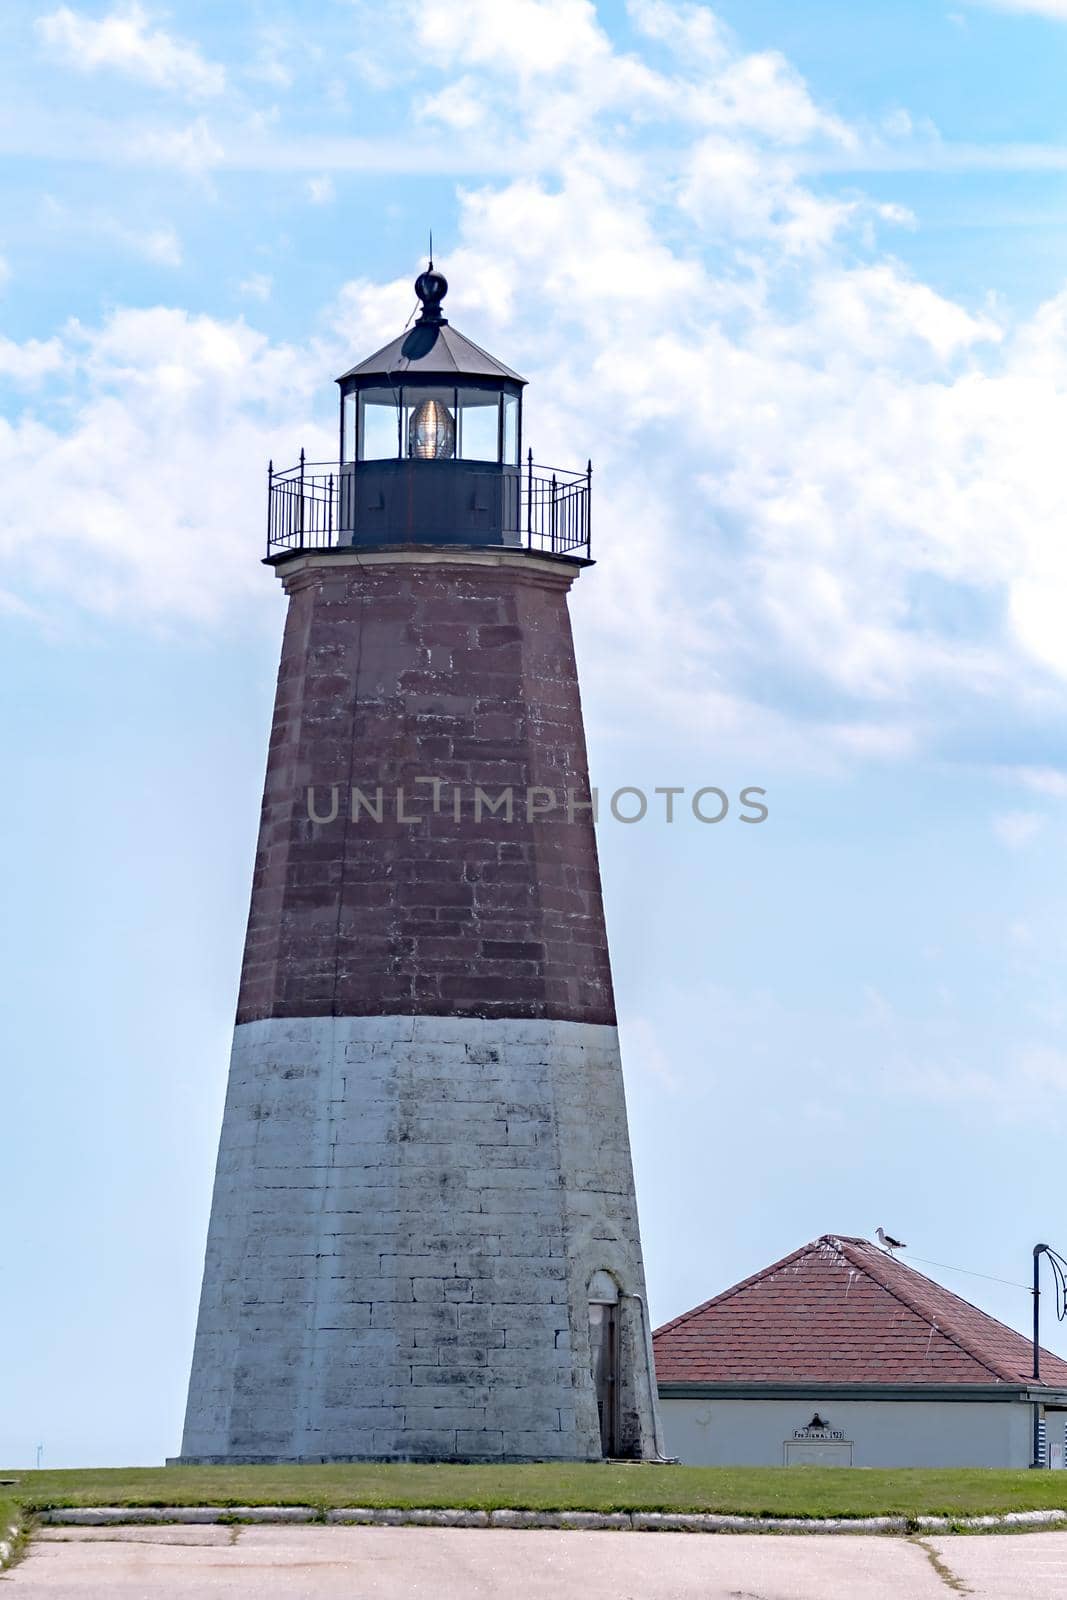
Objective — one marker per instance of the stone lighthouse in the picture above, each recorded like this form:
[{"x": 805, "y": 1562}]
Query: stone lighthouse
[{"x": 424, "y": 1239}]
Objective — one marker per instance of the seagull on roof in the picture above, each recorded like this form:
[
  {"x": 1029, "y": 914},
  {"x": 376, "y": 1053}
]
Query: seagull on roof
[{"x": 887, "y": 1241}]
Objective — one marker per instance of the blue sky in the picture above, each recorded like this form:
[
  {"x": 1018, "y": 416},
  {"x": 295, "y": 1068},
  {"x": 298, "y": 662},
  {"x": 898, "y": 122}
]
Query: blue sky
[{"x": 796, "y": 279}]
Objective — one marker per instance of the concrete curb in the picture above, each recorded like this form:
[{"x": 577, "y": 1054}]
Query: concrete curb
[
  {"x": 1007, "y": 1519},
  {"x": 430, "y": 1518},
  {"x": 119, "y": 1516},
  {"x": 448, "y": 1517},
  {"x": 715, "y": 1522}
]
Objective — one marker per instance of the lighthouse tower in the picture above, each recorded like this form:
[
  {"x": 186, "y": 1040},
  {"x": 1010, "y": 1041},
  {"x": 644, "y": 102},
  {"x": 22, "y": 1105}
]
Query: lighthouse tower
[{"x": 424, "y": 1239}]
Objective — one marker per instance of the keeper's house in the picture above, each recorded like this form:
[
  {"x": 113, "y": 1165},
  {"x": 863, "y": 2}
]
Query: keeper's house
[{"x": 841, "y": 1355}]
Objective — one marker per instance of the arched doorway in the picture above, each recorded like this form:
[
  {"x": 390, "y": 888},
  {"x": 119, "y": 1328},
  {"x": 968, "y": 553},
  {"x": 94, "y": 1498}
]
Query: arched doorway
[{"x": 604, "y": 1352}]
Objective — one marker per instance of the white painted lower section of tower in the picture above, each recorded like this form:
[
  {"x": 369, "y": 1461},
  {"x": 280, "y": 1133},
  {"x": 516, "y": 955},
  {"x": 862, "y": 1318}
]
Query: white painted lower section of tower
[{"x": 411, "y": 1218}]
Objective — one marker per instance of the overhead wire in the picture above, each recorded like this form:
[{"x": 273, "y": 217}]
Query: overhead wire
[{"x": 968, "y": 1272}]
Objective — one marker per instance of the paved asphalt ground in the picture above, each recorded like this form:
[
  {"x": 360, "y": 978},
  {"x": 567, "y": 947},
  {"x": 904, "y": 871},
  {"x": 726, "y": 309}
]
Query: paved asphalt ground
[{"x": 269, "y": 1563}]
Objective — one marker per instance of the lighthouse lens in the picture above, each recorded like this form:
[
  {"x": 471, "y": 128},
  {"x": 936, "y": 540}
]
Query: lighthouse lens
[{"x": 432, "y": 432}]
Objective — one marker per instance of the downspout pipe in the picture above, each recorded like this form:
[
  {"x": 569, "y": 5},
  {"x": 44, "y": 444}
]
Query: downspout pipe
[{"x": 650, "y": 1368}]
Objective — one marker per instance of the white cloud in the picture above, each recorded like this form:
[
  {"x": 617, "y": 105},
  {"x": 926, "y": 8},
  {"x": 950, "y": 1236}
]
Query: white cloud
[
  {"x": 369, "y": 67},
  {"x": 193, "y": 149},
  {"x": 1016, "y": 828},
  {"x": 759, "y": 93},
  {"x": 125, "y": 41},
  {"x": 272, "y": 61},
  {"x": 459, "y": 105},
  {"x": 29, "y": 362},
  {"x": 257, "y": 286},
  {"x": 11, "y": 605},
  {"x": 1030, "y": 1081},
  {"x": 90, "y": 226},
  {"x": 898, "y": 123},
  {"x": 161, "y": 245},
  {"x": 551, "y": 61},
  {"x": 158, "y": 477},
  {"x": 878, "y": 309},
  {"x": 763, "y": 94},
  {"x": 5, "y": 272},
  {"x": 1056, "y": 9},
  {"x": 850, "y": 480},
  {"x": 270, "y": 70},
  {"x": 320, "y": 190},
  {"x": 728, "y": 185},
  {"x": 900, "y": 216},
  {"x": 1044, "y": 780},
  {"x": 692, "y": 31},
  {"x": 532, "y": 38}
]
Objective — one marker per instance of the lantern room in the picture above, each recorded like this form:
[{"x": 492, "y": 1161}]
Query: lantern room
[
  {"x": 430, "y": 438},
  {"x": 430, "y": 453}
]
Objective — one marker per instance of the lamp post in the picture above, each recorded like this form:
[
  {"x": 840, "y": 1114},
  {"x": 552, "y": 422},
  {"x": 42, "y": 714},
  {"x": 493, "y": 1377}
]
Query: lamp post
[{"x": 1059, "y": 1275}]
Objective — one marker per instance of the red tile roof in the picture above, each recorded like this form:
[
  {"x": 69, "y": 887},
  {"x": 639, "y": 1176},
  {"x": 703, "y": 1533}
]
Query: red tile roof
[{"x": 841, "y": 1310}]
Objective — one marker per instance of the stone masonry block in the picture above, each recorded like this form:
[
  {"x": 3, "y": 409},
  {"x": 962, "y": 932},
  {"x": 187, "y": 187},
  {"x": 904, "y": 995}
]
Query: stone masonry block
[{"x": 358, "y": 1293}]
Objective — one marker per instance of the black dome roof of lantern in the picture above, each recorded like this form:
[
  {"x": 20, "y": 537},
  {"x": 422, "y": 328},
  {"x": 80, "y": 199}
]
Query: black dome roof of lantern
[{"x": 431, "y": 348}]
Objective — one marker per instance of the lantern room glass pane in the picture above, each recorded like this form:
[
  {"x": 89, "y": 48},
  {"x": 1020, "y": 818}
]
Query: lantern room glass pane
[
  {"x": 379, "y": 438},
  {"x": 479, "y": 424},
  {"x": 511, "y": 430},
  {"x": 429, "y": 424}
]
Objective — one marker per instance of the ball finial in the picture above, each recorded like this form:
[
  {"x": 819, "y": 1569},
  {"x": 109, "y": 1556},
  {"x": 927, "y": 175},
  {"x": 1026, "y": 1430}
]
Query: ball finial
[{"x": 431, "y": 288}]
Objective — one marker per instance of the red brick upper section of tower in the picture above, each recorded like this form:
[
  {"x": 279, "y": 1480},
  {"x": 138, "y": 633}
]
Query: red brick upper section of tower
[{"x": 394, "y": 670}]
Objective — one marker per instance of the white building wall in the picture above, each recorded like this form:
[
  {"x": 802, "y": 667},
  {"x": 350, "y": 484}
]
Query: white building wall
[
  {"x": 883, "y": 1433},
  {"x": 406, "y": 1217}
]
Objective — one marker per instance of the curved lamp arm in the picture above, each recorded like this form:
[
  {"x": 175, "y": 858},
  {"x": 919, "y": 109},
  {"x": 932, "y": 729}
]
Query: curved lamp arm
[{"x": 1059, "y": 1279}]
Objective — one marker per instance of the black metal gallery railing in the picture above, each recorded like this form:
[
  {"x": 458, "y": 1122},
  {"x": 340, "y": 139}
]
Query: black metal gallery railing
[
  {"x": 302, "y": 506},
  {"x": 543, "y": 508}
]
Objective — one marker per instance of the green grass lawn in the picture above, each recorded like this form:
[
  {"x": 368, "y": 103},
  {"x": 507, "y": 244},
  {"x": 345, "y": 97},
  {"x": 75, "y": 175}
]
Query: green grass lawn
[{"x": 789, "y": 1491}]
